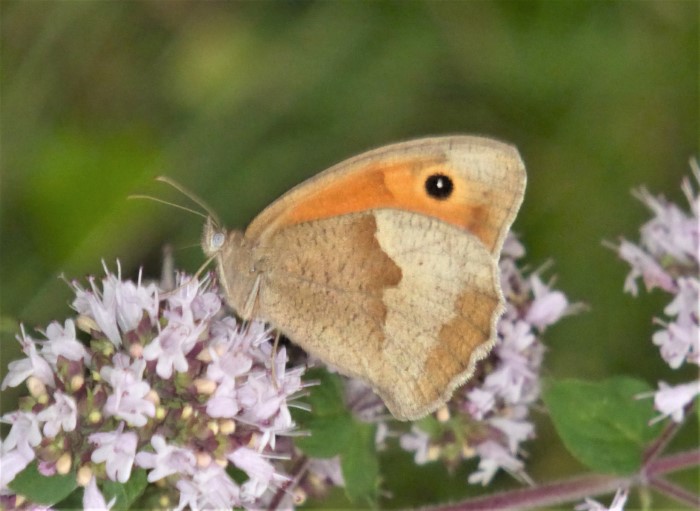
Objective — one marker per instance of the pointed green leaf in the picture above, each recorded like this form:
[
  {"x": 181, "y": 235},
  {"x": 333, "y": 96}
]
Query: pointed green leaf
[
  {"x": 327, "y": 397},
  {"x": 40, "y": 489},
  {"x": 128, "y": 492},
  {"x": 601, "y": 423},
  {"x": 72, "y": 502},
  {"x": 334, "y": 431},
  {"x": 328, "y": 436},
  {"x": 329, "y": 424},
  {"x": 360, "y": 466}
]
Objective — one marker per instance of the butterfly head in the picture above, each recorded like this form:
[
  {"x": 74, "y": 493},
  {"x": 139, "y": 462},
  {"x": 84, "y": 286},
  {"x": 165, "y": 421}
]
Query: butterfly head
[{"x": 213, "y": 238}]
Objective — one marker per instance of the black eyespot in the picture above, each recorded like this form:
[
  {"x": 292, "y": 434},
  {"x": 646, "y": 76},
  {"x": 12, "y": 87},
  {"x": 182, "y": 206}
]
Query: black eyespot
[{"x": 439, "y": 186}]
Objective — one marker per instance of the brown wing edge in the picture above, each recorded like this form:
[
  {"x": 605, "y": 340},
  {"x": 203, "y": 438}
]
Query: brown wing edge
[
  {"x": 518, "y": 197},
  {"x": 480, "y": 352}
]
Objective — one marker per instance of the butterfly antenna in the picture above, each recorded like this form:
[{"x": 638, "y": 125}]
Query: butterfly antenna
[
  {"x": 178, "y": 206},
  {"x": 190, "y": 195}
]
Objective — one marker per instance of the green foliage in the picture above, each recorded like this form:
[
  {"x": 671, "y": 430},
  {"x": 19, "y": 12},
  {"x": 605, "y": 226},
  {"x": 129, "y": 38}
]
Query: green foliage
[
  {"x": 329, "y": 423},
  {"x": 335, "y": 432},
  {"x": 126, "y": 493},
  {"x": 63, "y": 489},
  {"x": 603, "y": 424},
  {"x": 360, "y": 466},
  {"x": 72, "y": 502},
  {"x": 41, "y": 489}
]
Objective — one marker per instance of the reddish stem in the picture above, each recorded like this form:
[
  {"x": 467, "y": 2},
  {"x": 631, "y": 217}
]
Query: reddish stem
[
  {"x": 577, "y": 488},
  {"x": 674, "y": 491}
]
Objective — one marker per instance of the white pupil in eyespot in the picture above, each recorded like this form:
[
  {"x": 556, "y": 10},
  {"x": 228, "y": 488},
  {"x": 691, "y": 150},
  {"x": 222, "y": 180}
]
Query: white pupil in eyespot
[{"x": 217, "y": 240}]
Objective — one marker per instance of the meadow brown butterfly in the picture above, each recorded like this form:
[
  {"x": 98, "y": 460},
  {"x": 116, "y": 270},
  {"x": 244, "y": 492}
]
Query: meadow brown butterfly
[{"x": 385, "y": 265}]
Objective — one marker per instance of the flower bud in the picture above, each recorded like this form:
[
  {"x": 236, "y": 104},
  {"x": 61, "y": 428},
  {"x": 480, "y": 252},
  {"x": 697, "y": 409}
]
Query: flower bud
[
  {"x": 203, "y": 459},
  {"x": 254, "y": 440},
  {"x": 36, "y": 387},
  {"x": 136, "y": 350},
  {"x": 63, "y": 464},
  {"x": 84, "y": 475},
  {"x": 433, "y": 452},
  {"x": 47, "y": 468},
  {"x": 153, "y": 397},
  {"x": 468, "y": 451},
  {"x": 227, "y": 426},
  {"x": 298, "y": 496},
  {"x": 77, "y": 382},
  {"x": 205, "y": 386},
  {"x": 204, "y": 356},
  {"x": 87, "y": 324},
  {"x": 94, "y": 417}
]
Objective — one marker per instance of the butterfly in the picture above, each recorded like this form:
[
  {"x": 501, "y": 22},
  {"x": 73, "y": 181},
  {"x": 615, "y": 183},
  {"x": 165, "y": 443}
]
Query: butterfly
[{"x": 385, "y": 265}]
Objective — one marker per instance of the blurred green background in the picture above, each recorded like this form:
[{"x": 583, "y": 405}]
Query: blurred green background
[{"x": 241, "y": 100}]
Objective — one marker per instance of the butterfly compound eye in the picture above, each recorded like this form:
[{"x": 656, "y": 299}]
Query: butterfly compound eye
[
  {"x": 217, "y": 240},
  {"x": 439, "y": 186}
]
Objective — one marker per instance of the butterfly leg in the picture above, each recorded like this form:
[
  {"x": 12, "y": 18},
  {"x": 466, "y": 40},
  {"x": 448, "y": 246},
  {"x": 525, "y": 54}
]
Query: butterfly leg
[{"x": 273, "y": 356}]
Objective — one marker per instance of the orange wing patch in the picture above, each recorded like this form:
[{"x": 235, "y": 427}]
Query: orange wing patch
[{"x": 401, "y": 185}]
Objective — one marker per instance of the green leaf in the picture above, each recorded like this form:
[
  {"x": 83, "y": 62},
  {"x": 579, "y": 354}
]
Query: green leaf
[
  {"x": 430, "y": 425},
  {"x": 328, "y": 436},
  {"x": 72, "y": 502},
  {"x": 40, "y": 489},
  {"x": 327, "y": 397},
  {"x": 601, "y": 423},
  {"x": 128, "y": 492},
  {"x": 236, "y": 473},
  {"x": 334, "y": 431},
  {"x": 330, "y": 424},
  {"x": 360, "y": 466}
]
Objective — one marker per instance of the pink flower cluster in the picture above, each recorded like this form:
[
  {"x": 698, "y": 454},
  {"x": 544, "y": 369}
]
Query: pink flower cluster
[
  {"x": 167, "y": 384},
  {"x": 494, "y": 406},
  {"x": 668, "y": 257}
]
